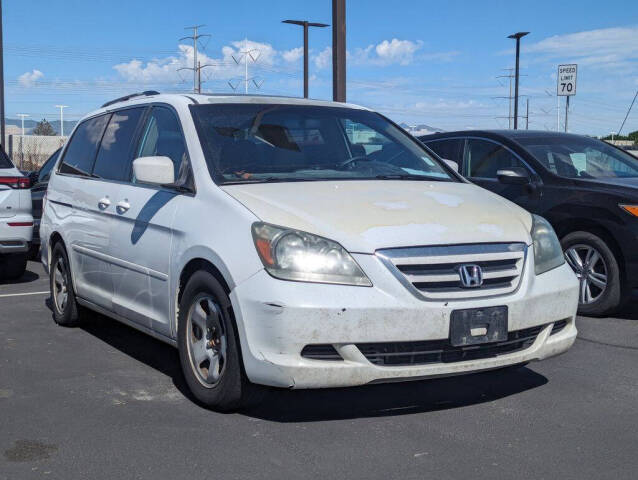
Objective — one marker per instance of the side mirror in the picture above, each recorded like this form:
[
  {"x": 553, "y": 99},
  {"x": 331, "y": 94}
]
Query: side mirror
[
  {"x": 452, "y": 164},
  {"x": 154, "y": 170},
  {"x": 513, "y": 176}
]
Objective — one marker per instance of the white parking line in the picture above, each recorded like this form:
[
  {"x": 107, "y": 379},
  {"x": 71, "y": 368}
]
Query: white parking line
[{"x": 23, "y": 294}]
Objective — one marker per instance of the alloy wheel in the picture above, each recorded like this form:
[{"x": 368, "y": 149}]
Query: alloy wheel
[
  {"x": 591, "y": 271},
  {"x": 60, "y": 285},
  {"x": 206, "y": 340}
]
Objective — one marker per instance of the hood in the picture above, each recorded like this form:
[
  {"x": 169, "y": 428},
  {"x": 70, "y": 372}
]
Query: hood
[
  {"x": 622, "y": 186},
  {"x": 364, "y": 216}
]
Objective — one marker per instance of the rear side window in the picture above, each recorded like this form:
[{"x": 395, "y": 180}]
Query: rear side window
[
  {"x": 116, "y": 149},
  {"x": 447, "y": 149},
  {"x": 162, "y": 136},
  {"x": 484, "y": 158},
  {"x": 80, "y": 153},
  {"x": 45, "y": 171}
]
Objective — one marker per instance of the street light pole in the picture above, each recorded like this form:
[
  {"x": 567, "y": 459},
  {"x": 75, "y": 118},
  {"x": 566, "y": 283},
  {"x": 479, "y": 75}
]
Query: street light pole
[
  {"x": 305, "y": 24},
  {"x": 339, "y": 50},
  {"x": 22, "y": 117},
  {"x": 518, "y": 37},
  {"x": 62, "y": 107}
]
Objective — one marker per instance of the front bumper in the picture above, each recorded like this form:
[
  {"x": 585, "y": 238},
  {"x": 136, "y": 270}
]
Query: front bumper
[
  {"x": 277, "y": 319},
  {"x": 15, "y": 239}
]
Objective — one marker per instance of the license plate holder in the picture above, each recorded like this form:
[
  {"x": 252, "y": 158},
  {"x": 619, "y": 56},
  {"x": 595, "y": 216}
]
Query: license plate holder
[{"x": 474, "y": 326}]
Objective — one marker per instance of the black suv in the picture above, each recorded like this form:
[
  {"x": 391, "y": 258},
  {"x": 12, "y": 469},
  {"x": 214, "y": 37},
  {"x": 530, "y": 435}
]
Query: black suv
[{"x": 586, "y": 188}]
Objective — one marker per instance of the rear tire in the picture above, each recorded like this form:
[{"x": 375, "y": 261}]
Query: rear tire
[
  {"x": 209, "y": 348},
  {"x": 13, "y": 266},
  {"x": 66, "y": 311},
  {"x": 593, "y": 269}
]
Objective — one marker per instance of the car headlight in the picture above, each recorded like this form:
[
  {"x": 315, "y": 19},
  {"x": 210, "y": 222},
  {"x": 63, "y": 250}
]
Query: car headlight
[
  {"x": 548, "y": 253},
  {"x": 294, "y": 255}
]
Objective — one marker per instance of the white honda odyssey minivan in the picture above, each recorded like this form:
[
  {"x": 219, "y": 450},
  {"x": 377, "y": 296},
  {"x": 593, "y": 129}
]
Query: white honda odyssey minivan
[{"x": 296, "y": 244}]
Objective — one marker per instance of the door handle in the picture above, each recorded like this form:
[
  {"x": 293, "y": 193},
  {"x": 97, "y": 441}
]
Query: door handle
[
  {"x": 103, "y": 203},
  {"x": 122, "y": 207}
]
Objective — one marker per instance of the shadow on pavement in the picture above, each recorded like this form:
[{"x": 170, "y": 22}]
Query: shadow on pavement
[
  {"x": 394, "y": 398},
  {"x": 137, "y": 345},
  {"x": 28, "y": 277},
  {"x": 330, "y": 404}
]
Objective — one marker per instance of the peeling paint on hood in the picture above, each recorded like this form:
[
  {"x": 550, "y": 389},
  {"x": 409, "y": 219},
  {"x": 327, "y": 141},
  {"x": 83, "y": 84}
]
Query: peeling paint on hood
[{"x": 364, "y": 216}]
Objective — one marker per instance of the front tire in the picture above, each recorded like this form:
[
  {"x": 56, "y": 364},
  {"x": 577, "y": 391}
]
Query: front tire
[
  {"x": 598, "y": 273},
  {"x": 209, "y": 348},
  {"x": 65, "y": 308}
]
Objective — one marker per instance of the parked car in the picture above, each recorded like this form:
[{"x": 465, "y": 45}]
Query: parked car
[
  {"x": 39, "y": 183},
  {"x": 586, "y": 188},
  {"x": 296, "y": 244},
  {"x": 16, "y": 222}
]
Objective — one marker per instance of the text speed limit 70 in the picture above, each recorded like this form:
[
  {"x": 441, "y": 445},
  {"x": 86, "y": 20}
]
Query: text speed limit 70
[{"x": 567, "y": 79}]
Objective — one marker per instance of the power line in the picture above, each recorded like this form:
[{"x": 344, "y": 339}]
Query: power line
[{"x": 632, "y": 104}]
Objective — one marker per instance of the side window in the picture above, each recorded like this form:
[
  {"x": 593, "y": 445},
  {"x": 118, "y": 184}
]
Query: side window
[
  {"x": 45, "y": 171},
  {"x": 449, "y": 149},
  {"x": 484, "y": 158},
  {"x": 116, "y": 148},
  {"x": 80, "y": 154},
  {"x": 162, "y": 136}
]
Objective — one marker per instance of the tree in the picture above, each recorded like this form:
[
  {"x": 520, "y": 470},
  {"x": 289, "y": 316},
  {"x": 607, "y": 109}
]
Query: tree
[{"x": 44, "y": 128}]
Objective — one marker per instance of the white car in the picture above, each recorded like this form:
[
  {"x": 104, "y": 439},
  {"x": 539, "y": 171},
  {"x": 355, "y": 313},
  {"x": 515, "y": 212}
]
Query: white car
[
  {"x": 296, "y": 244},
  {"x": 16, "y": 221}
]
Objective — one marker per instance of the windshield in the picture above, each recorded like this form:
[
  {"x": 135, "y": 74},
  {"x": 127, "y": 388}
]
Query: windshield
[
  {"x": 252, "y": 143},
  {"x": 582, "y": 157}
]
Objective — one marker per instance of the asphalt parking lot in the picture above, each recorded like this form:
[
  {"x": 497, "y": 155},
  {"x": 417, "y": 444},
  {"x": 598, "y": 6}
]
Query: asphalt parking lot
[{"x": 104, "y": 401}]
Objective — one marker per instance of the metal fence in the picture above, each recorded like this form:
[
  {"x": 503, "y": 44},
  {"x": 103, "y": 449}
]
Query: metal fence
[{"x": 29, "y": 152}]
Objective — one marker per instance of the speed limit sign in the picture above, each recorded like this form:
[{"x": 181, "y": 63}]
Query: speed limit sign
[{"x": 567, "y": 80}]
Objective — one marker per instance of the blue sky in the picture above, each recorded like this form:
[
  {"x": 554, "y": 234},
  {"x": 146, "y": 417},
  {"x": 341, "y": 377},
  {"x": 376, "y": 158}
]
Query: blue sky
[{"x": 418, "y": 62}]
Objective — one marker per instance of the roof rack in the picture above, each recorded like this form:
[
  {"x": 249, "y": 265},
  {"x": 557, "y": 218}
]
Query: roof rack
[{"x": 146, "y": 93}]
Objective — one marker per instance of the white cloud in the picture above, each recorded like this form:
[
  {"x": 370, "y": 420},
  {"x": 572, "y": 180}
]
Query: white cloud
[
  {"x": 292, "y": 55},
  {"x": 167, "y": 69},
  {"x": 324, "y": 58},
  {"x": 605, "y": 47},
  {"x": 385, "y": 53},
  {"x": 29, "y": 79},
  {"x": 397, "y": 51}
]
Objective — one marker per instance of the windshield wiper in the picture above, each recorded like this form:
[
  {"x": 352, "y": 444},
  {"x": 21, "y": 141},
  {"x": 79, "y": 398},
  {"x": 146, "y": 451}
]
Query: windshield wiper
[{"x": 407, "y": 176}]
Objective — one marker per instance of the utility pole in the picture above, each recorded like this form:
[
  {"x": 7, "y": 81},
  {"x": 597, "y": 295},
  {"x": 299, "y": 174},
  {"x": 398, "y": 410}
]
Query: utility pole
[
  {"x": 305, "y": 24},
  {"x": 197, "y": 86},
  {"x": 527, "y": 116},
  {"x": 509, "y": 112},
  {"x": 517, "y": 37},
  {"x": 22, "y": 116},
  {"x": 2, "y": 125},
  {"x": 62, "y": 107},
  {"x": 253, "y": 54},
  {"x": 339, "y": 50}
]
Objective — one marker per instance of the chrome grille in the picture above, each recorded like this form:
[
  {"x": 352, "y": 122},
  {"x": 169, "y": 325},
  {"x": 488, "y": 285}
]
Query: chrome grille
[{"x": 432, "y": 273}]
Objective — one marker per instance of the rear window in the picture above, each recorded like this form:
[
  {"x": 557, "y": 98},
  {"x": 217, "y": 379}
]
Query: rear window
[{"x": 80, "y": 154}]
